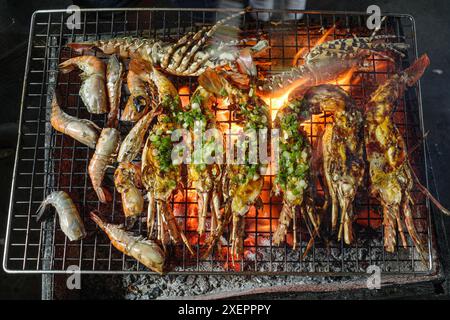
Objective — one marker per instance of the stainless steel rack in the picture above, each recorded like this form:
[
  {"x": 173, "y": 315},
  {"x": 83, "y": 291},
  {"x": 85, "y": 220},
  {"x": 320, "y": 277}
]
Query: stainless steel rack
[{"x": 47, "y": 161}]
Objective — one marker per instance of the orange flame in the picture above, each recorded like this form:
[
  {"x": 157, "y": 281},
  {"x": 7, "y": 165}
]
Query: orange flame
[
  {"x": 302, "y": 51},
  {"x": 370, "y": 219},
  {"x": 184, "y": 92},
  {"x": 345, "y": 80},
  {"x": 277, "y": 103}
]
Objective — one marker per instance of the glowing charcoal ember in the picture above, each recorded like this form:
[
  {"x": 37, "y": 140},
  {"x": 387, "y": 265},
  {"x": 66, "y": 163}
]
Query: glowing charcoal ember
[{"x": 369, "y": 218}]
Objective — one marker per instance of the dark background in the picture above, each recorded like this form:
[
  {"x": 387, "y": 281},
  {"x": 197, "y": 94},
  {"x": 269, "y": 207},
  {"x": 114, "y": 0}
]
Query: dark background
[{"x": 433, "y": 37}]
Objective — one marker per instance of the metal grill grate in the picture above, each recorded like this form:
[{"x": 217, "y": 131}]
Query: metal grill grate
[{"x": 46, "y": 160}]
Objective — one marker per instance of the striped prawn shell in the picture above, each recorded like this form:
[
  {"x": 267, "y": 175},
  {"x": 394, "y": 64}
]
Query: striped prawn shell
[{"x": 328, "y": 60}]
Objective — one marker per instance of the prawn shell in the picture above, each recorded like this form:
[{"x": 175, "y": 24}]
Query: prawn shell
[
  {"x": 93, "y": 94},
  {"x": 132, "y": 202},
  {"x": 327, "y": 61},
  {"x": 93, "y": 87},
  {"x": 127, "y": 178},
  {"x": 389, "y": 168},
  {"x": 105, "y": 154},
  {"x": 132, "y": 144},
  {"x": 191, "y": 55},
  {"x": 114, "y": 73},
  {"x": 146, "y": 251},
  {"x": 69, "y": 218},
  {"x": 139, "y": 102},
  {"x": 82, "y": 130},
  {"x": 135, "y": 108}
]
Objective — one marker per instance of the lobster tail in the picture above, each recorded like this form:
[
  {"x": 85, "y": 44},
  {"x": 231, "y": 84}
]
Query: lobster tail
[
  {"x": 41, "y": 210},
  {"x": 103, "y": 194}
]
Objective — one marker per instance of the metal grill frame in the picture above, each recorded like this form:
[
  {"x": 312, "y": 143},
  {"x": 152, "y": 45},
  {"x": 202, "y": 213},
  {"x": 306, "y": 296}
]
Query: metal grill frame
[{"x": 38, "y": 240}]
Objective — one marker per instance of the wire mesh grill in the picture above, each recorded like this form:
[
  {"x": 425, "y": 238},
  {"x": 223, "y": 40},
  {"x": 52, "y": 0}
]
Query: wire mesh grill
[{"x": 47, "y": 160}]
